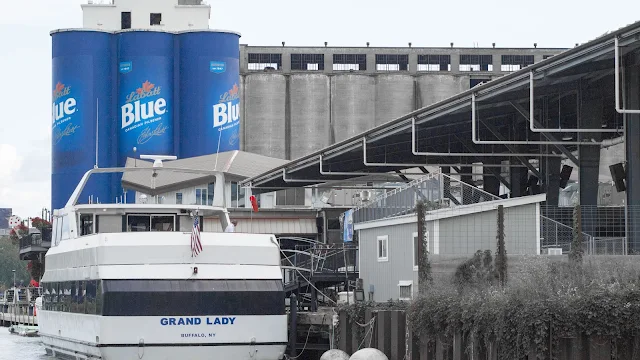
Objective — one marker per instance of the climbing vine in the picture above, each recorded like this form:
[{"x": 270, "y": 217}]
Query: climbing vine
[
  {"x": 577, "y": 250},
  {"x": 425, "y": 278}
]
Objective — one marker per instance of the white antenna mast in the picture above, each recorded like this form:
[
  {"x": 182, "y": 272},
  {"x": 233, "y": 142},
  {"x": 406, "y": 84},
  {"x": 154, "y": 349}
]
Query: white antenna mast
[
  {"x": 97, "y": 104},
  {"x": 218, "y": 151}
]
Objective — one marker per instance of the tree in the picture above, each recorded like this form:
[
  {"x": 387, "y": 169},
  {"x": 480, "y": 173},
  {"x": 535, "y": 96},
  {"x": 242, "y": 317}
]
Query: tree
[
  {"x": 10, "y": 260},
  {"x": 425, "y": 277}
]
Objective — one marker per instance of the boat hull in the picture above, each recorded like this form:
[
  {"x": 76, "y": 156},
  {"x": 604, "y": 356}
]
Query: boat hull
[
  {"x": 64, "y": 349},
  {"x": 159, "y": 337}
]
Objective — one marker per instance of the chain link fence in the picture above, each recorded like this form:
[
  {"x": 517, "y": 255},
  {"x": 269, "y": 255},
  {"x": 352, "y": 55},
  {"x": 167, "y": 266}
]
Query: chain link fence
[
  {"x": 603, "y": 228},
  {"x": 437, "y": 190}
]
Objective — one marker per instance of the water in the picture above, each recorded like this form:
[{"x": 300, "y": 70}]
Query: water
[{"x": 14, "y": 347}]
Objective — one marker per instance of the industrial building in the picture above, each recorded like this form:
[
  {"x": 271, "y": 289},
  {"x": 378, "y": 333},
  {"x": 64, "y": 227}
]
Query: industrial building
[
  {"x": 145, "y": 78},
  {"x": 298, "y": 100},
  {"x": 528, "y": 130},
  {"x": 281, "y": 102},
  {"x": 387, "y": 231}
]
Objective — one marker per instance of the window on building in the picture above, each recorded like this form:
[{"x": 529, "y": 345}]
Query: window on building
[
  {"x": 383, "y": 248},
  {"x": 474, "y": 82},
  {"x": 264, "y": 61},
  {"x": 392, "y": 62},
  {"x": 178, "y": 198},
  {"x": 405, "y": 288},
  {"x": 476, "y": 62},
  {"x": 237, "y": 195},
  {"x": 204, "y": 196},
  {"x": 201, "y": 196},
  {"x": 125, "y": 20},
  {"x": 307, "y": 62},
  {"x": 155, "y": 19},
  {"x": 210, "y": 188},
  {"x": 515, "y": 62},
  {"x": 290, "y": 197},
  {"x": 434, "y": 62},
  {"x": 86, "y": 224},
  {"x": 346, "y": 62}
]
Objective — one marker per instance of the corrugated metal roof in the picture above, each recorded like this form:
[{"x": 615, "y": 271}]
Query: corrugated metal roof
[
  {"x": 453, "y": 113},
  {"x": 236, "y": 163}
]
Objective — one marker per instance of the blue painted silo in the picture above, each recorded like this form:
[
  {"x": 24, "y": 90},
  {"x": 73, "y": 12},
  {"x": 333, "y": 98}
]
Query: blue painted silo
[
  {"x": 82, "y": 91},
  {"x": 209, "y": 92},
  {"x": 145, "y": 94}
]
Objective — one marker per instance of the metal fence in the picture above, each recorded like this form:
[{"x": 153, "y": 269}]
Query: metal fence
[
  {"x": 437, "y": 190},
  {"x": 603, "y": 228}
]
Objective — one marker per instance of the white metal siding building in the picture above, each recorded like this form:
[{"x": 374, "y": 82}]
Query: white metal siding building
[{"x": 388, "y": 247}]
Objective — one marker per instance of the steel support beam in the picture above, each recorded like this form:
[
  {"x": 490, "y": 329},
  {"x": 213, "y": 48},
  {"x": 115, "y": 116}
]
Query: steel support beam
[
  {"x": 491, "y": 184},
  {"x": 467, "y": 196},
  {"x": 496, "y": 173},
  {"x": 550, "y": 137},
  {"x": 631, "y": 96},
  {"x": 513, "y": 149},
  {"x": 552, "y": 176},
  {"x": 590, "y": 116}
]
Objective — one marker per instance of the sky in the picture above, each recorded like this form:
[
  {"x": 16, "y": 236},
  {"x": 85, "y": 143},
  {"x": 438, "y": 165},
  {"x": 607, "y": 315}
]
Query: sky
[{"x": 25, "y": 52}]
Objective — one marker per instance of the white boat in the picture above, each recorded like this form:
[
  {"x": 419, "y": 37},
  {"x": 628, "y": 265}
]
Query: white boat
[{"x": 121, "y": 283}]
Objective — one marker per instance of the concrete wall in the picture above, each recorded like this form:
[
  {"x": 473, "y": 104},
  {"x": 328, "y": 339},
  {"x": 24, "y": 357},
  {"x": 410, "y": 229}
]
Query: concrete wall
[{"x": 450, "y": 240}]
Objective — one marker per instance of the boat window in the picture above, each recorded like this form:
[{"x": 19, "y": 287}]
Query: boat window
[
  {"x": 138, "y": 222},
  {"x": 179, "y": 297},
  {"x": 161, "y": 223},
  {"x": 86, "y": 224},
  {"x": 90, "y": 297},
  {"x": 150, "y": 222},
  {"x": 65, "y": 228},
  {"x": 54, "y": 228}
]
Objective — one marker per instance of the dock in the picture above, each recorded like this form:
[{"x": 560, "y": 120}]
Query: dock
[
  {"x": 9, "y": 319},
  {"x": 17, "y": 306}
]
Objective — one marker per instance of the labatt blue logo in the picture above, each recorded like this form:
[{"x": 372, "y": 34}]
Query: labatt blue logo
[
  {"x": 227, "y": 111},
  {"x": 63, "y": 107},
  {"x": 137, "y": 108},
  {"x": 63, "y": 104}
]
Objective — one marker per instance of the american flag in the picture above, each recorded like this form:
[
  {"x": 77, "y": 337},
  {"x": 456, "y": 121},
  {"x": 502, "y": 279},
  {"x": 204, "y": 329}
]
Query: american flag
[{"x": 196, "y": 245}]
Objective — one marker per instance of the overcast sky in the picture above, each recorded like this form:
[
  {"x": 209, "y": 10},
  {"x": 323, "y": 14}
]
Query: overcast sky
[{"x": 25, "y": 52}]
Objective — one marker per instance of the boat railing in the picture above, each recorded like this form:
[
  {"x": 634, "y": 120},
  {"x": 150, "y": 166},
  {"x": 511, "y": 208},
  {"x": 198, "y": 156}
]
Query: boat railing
[
  {"x": 9, "y": 296},
  {"x": 34, "y": 293},
  {"x": 36, "y": 239}
]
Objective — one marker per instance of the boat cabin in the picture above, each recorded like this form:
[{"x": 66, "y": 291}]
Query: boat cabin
[{"x": 83, "y": 220}]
